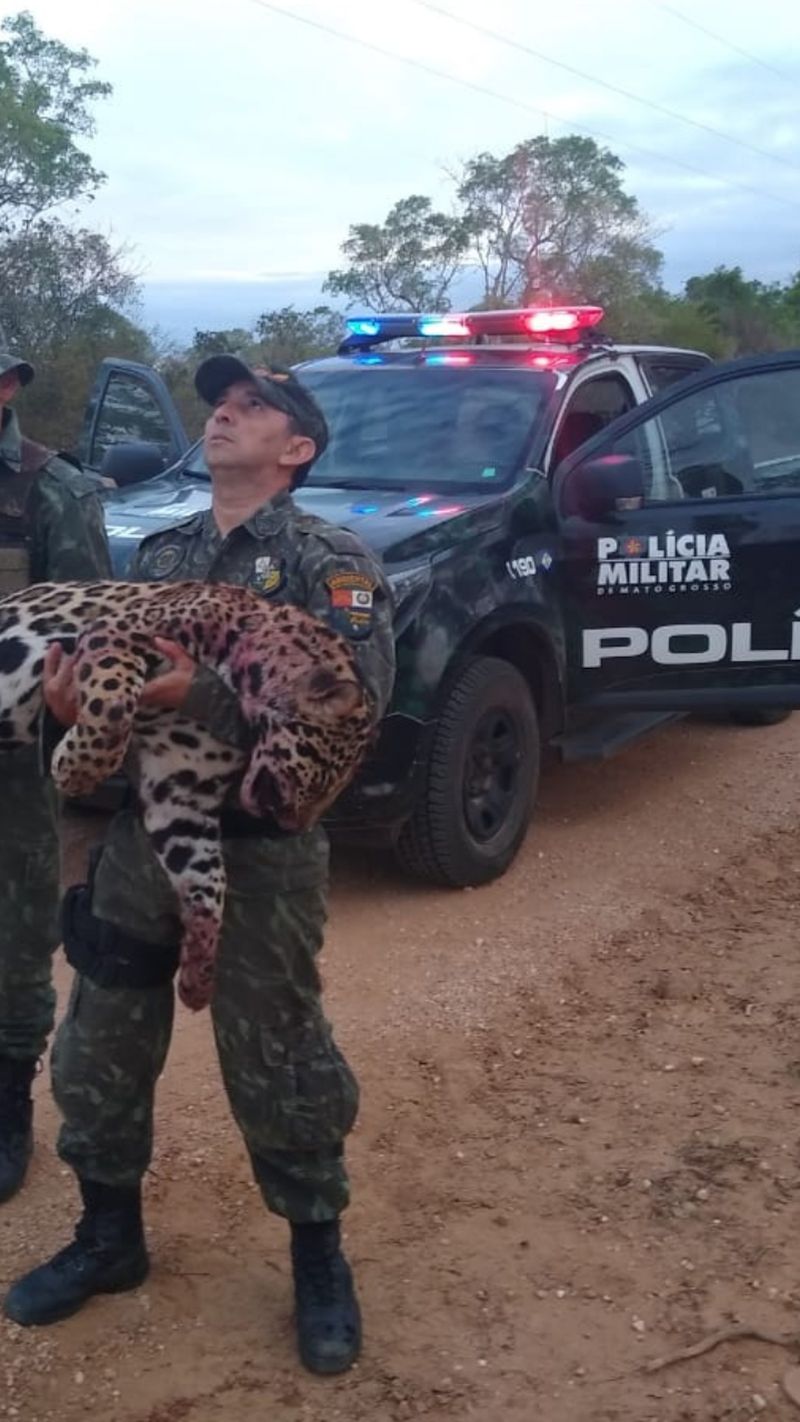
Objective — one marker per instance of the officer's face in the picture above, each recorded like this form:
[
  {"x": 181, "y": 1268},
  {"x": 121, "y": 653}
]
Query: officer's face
[
  {"x": 9, "y": 385},
  {"x": 245, "y": 434}
]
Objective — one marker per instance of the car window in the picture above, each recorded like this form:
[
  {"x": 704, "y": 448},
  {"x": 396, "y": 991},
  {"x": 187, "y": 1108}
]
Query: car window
[
  {"x": 426, "y": 426},
  {"x": 740, "y": 437},
  {"x": 594, "y": 405},
  {"x": 661, "y": 373},
  {"x": 128, "y": 412}
]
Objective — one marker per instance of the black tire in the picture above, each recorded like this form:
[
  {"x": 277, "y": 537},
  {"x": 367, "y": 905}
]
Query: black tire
[
  {"x": 482, "y": 776},
  {"x": 760, "y": 716}
]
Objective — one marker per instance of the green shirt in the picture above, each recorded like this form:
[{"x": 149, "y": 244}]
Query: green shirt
[
  {"x": 289, "y": 556},
  {"x": 64, "y": 515}
]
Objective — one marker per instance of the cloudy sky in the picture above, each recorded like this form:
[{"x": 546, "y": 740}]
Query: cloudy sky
[{"x": 240, "y": 142}]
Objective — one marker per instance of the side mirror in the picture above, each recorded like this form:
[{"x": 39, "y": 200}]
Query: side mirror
[
  {"x": 609, "y": 484},
  {"x": 132, "y": 463}
]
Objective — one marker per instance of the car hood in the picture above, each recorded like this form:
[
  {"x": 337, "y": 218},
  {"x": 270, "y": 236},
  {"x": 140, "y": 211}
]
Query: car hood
[{"x": 397, "y": 525}]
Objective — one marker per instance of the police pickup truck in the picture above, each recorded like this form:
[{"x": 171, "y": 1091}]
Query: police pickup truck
[{"x": 584, "y": 539}]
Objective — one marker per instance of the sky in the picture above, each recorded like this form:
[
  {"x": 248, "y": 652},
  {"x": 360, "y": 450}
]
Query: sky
[{"x": 240, "y": 143}]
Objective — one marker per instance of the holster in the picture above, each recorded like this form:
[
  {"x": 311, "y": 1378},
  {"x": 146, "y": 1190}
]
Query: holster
[{"x": 105, "y": 953}]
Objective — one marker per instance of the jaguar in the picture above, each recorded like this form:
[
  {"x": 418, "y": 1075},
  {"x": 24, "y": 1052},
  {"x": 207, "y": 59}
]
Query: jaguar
[{"x": 308, "y": 718}]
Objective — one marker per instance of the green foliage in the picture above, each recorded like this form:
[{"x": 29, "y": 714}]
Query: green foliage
[
  {"x": 45, "y": 99},
  {"x": 288, "y": 336},
  {"x": 406, "y": 264},
  {"x": 749, "y": 316},
  {"x": 52, "y": 408},
  {"x": 282, "y": 337},
  {"x": 67, "y": 297},
  {"x": 551, "y": 220}
]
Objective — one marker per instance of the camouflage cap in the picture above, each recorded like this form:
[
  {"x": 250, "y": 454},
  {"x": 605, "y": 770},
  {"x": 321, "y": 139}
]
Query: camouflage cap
[
  {"x": 277, "y": 386},
  {"x": 11, "y": 362}
]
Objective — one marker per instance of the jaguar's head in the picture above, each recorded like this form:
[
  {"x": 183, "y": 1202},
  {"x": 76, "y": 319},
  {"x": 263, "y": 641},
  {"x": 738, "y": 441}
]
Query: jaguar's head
[{"x": 308, "y": 746}]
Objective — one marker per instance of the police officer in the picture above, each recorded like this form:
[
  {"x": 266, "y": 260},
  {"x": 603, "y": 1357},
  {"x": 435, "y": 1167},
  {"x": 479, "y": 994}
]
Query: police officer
[
  {"x": 290, "y": 1090},
  {"x": 51, "y": 528}
]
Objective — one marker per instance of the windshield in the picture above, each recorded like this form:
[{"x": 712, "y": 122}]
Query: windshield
[
  {"x": 439, "y": 426},
  {"x": 402, "y": 426}
]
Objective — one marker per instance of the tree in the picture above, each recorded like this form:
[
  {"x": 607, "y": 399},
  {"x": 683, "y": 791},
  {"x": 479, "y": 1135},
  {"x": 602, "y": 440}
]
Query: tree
[
  {"x": 45, "y": 98},
  {"x": 551, "y": 220},
  {"x": 288, "y": 336},
  {"x": 408, "y": 263},
  {"x": 662, "y": 319},
  {"x": 282, "y": 337},
  {"x": 54, "y": 278},
  {"x": 750, "y": 316},
  {"x": 235, "y": 341},
  {"x": 52, "y": 408},
  {"x": 67, "y": 296}
]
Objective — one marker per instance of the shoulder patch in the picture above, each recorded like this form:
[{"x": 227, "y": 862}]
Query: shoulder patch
[
  {"x": 352, "y": 597},
  {"x": 161, "y": 553},
  {"x": 166, "y": 560}
]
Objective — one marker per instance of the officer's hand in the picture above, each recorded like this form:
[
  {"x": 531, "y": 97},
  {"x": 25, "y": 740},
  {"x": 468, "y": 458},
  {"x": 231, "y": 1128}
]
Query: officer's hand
[
  {"x": 58, "y": 685},
  {"x": 171, "y": 688}
]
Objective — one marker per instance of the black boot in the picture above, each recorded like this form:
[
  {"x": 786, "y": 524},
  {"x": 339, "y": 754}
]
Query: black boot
[
  {"x": 327, "y": 1313},
  {"x": 16, "y": 1123},
  {"x": 107, "y": 1256}
]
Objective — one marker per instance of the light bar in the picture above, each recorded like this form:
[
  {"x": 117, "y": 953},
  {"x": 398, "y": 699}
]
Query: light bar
[
  {"x": 558, "y": 322},
  {"x": 364, "y": 328},
  {"x": 444, "y": 326},
  {"x": 563, "y": 324},
  {"x": 384, "y": 328}
]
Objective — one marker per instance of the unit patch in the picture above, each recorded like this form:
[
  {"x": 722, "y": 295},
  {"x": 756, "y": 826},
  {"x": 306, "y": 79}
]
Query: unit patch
[
  {"x": 268, "y": 576},
  {"x": 167, "y": 560},
  {"x": 352, "y": 595}
]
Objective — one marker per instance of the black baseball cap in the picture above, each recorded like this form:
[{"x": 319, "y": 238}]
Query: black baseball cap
[
  {"x": 277, "y": 385},
  {"x": 11, "y": 362}
]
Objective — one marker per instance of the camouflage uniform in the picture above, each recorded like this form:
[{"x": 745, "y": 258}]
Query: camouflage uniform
[
  {"x": 291, "y": 1091},
  {"x": 51, "y": 528}
]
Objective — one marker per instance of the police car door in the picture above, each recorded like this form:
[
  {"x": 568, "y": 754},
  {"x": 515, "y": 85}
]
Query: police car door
[
  {"x": 130, "y": 404},
  {"x": 681, "y": 545}
]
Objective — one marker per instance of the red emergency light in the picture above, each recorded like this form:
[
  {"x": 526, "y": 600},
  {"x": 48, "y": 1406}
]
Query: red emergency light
[{"x": 563, "y": 323}]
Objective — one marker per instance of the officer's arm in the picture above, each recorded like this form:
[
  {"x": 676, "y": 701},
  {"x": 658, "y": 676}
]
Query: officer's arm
[
  {"x": 68, "y": 534},
  {"x": 214, "y": 705},
  {"x": 349, "y": 592},
  {"x": 208, "y": 700}
]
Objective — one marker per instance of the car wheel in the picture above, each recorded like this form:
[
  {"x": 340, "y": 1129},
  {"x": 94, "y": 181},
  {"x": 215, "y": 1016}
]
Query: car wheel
[
  {"x": 760, "y": 716},
  {"x": 482, "y": 776}
]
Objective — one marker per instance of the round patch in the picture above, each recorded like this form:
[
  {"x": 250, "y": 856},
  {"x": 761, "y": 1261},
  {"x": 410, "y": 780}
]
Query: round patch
[{"x": 167, "y": 560}]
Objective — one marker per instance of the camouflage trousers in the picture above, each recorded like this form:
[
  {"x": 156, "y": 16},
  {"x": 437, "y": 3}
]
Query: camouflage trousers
[
  {"x": 28, "y": 906},
  {"x": 292, "y": 1094}
]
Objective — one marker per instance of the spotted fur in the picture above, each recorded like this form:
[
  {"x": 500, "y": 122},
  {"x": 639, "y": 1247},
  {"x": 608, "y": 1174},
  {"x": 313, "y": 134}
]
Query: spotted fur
[{"x": 297, "y": 685}]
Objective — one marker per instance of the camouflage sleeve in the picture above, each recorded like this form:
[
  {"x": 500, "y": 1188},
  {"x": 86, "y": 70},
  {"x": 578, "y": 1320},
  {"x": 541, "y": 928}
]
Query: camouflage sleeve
[
  {"x": 214, "y": 705},
  {"x": 209, "y": 700},
  {"x": 347, "y": 589},
  {"x": 68, "y": 534}
]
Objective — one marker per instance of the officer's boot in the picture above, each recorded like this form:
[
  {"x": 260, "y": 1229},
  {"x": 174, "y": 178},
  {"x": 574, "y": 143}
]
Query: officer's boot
[
  {"x": 327, "y": 1313},
  {"x": 107, "y": 1256},
  {"x": 16, "y": 1123}
]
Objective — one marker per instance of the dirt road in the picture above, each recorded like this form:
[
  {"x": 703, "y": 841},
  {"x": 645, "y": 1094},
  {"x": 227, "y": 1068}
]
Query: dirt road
[{"x": 578, "y": 1149}]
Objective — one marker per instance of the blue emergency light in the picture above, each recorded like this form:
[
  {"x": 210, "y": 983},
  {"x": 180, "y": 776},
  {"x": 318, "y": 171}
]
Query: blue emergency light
[{"x": 565, "y": 325}]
